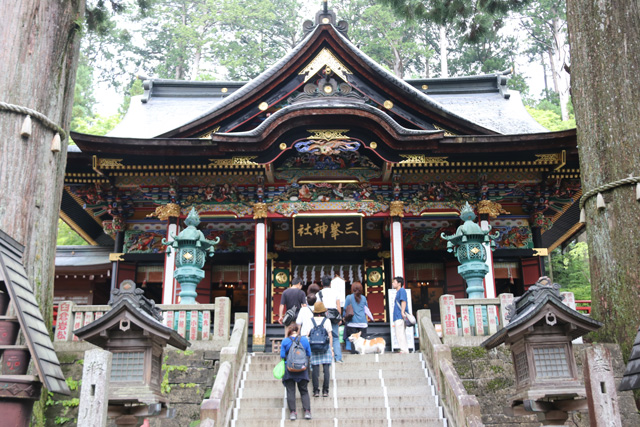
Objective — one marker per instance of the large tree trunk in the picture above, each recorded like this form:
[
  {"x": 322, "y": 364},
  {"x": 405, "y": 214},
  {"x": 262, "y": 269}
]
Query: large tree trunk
[
  {"x": 605, "y": 41},
  {"x": 38, "y": 61}
]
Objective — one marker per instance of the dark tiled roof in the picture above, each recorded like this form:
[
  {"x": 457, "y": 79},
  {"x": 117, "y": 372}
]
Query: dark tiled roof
[
  {"x": 482, "y": 100},
  {"x": 631, "y": 377}
]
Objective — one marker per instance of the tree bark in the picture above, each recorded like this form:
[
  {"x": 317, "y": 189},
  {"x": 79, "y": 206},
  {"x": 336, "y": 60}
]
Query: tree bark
[
  {"x": 444, "y": 52},
  {"x": 605, "y": 41},
  {"x": 38, "y": 62}
]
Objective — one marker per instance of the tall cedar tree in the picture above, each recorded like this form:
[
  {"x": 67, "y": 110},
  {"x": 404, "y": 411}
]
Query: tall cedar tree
[
  {"x": 605, "y": 41},
  {"x": 473, "y": 18}
]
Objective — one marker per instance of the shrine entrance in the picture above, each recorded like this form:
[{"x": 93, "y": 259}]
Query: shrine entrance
[{"x": 311, "y": 269}]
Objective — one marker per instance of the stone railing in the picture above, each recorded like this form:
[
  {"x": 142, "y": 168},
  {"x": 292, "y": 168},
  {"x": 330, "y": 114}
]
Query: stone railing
[
  {"x": 468, "y": 322},
  {"x": 216, "y": 410},
  {"x": 193, "y": 322},
  {"x": 461, "y": 409}
]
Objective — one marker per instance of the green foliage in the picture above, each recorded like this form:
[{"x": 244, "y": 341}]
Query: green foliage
[
  {"x": 73, "y": 384},
  {"x": 571, "y": 270},
  {"x": 68, "y": 237},
  {"x": 164, "y": 385},
  {"x": 62, "y": 420},
  {"x": 71, "y": 403},
  {"x": 135, "y": 89},
  {"x": 551, "y": 120},
  {"x": 473, "y": 19},
  {"x": 468, "y": 353},
  {"x": 401, "y": 46}
]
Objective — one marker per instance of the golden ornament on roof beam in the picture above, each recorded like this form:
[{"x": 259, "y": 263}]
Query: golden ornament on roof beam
[
  {"x": 235, "y": 161},
  {"x": 396, "y": 208},
  {"x": 328, "y": 134},
  {"x": 493, "y": 209},
  {"x": 164, "y": 212},
  {"x": 259, "y": 210},
  {"x": 325, "y": 59},
  {"x": 421, "y": 159},
  {"x": 110, "y": 163}
]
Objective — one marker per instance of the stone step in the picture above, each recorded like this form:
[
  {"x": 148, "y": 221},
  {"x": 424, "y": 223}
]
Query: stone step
[
  {"x": 277, "y": 390},
  {"x": 356, "y": 400},
  {"x": 315, "y": 422},
  {"x": 251, "y": 382},
  {"x": 413, "y": 372},
  {"x": 348, "y": 358},
  {"x": 340, "y": 413}
]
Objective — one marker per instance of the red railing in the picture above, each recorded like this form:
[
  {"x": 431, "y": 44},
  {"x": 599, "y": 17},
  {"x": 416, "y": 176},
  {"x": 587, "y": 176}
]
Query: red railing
[{"x": 584, "y": 305}]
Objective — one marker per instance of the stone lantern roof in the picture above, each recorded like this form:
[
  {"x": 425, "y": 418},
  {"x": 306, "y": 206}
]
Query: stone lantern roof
[
  {"x": 128, "y": 303},
  {"x": 541, "y": 303}
]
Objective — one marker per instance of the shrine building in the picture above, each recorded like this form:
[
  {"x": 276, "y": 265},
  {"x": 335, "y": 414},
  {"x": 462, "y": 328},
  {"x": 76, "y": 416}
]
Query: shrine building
[{"x": 324, "y": 164}]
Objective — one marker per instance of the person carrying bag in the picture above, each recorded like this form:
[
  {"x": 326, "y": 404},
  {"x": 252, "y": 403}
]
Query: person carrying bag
[{"x": 296, "y": 370}]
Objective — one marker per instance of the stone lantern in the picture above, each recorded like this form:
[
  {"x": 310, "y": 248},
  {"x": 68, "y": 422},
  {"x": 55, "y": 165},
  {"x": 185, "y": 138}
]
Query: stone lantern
[
  {"x": 469, "y": 249},
  {"x": 133, "y": 332},
  {"x": 191, "y": 247},
  {"x": 539, "y": 334}
]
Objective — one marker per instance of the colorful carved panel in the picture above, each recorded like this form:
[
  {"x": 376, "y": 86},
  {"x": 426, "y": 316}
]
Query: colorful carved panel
[
  {"x": 144, "y": 242},
  {"x": 232, "y": 241}
]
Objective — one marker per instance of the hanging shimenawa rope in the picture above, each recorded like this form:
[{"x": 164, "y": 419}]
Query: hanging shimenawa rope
[
  {"x": 598, "y": 191},
  {"x": 33, "y": 113}
]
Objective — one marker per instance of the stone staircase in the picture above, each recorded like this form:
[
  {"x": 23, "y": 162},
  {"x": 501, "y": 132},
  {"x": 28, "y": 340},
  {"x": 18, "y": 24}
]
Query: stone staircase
[{"x": 372, "y": 390}]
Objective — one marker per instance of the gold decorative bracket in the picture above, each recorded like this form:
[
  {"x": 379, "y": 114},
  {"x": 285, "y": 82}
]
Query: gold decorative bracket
[
  {"x": 540, "y": 252},
  {"x": 210, "y": 133},
  {"x": 325, "y": 59},
  {"x": 235, "y": 161},
  {"x": 115, "y": 257},
  {"x": 421, "y": 159},
  {"x": 328, "y": 134},
  {"x": 549, "y": 159}
]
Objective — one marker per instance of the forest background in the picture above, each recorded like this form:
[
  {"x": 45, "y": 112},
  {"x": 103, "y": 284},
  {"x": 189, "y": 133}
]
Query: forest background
[{"x": 238, "y": 39}]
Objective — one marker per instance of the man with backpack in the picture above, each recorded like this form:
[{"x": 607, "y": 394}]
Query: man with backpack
[
  {"x": 291, "y": 301},
  {"x": 320, "y": 341}
]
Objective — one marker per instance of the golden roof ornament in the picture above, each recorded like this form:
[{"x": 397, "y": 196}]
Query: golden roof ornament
[
  {"x": 164, "y": 212},
  {"x": 259, "y": 210},
  {"x": 491, "y": 208}
]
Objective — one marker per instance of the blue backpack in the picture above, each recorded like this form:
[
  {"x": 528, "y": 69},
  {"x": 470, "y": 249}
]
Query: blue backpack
[
  {"x": 318, "y": 337},
  {"x": 297, "y": 360}
]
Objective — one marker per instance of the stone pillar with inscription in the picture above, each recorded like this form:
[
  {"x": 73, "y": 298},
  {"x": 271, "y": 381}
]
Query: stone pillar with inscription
[
  {"x": 94, "y": 394},
  {"x": 221, "y": 321},
  {"x": 602, "y": 398},
  {"x": 259, "y": 320}
]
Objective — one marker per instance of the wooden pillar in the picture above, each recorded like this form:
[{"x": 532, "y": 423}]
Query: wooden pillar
[
  {"x": 169, "y": 283},
  {"x": 397, "y": 248},
  {"x": 536, "y": 236},
  {"x": 259, "y": 321},
  {"x": 117, "y": 248}
]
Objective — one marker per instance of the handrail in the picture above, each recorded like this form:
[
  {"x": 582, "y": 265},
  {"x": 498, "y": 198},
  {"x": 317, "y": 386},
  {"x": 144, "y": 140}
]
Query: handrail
[
  {"x": 216, "y": 410},
  {"x": 461, "y": 409}
]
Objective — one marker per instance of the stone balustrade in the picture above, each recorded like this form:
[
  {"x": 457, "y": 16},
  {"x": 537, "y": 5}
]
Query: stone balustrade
[
  {"x": 468, "y": 322},
  {"x": 461, "y": 409},
  {"x": 193, "y": 322},
  {"x": 216, "y": 410}
]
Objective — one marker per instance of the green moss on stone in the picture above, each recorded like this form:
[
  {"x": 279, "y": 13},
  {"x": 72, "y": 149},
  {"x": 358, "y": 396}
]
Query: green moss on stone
[{"x": 468, "y": 353}]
